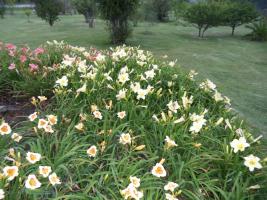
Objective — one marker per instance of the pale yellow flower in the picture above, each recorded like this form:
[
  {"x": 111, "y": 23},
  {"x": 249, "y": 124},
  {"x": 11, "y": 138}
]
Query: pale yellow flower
[
  {"x": 42, "y": 98},
  {"x": 63, "y": 82},
  {"x": 2, "y": 194},
  {"x": 32, "y": 182},
  {"x": 54, "y": 179},
  {"x": 52, "y": 119},
  {"x": 92, "y": 151},
  {"x": 45, "y": 171},
  {"x": 252, "y": 162},
  {"x": 32, "y": 116},
  {"x": 125, "y": 138},
  {"x": 42, "y": 123},
  {"x": 239, "y": 144},
  {"x": 171, "y": 186},
  {"x": 135, "y": 181},
  {"x": 121, "y": 114},
  {"x": 80, "y": 126},
  {"x": 158, "y": 170},
  {"x": 11, "y": 172},
  {"x": 170, "y": 197},
  {"x": 97, "y": 114},
  {"x": 33, "y": 157},
  {"x": 5, "y": 129}
]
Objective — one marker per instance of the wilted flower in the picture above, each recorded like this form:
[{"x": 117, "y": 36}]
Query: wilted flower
[
  {"x": 54, "y": 179},
  {"x": 82, "y": 89},
  {"x": 42, "y": 98},
  {"x": 173, "y": 106},
  {"x": 252, "y": 162},
  {"x": 45, "y": 171},
  {"x": 11, "y": 172},
  {"x": 5, "y": 129},
  {"x": 16, "y": 137},
  {"x": 239, "y": 144},
  {"x": 32, "y": 182},
  {"x": 187, "y": 101},
  {"x": 80, "y": 126},
  {"x": 33, "y": 157},
  {"x": 92, "y": 151}
]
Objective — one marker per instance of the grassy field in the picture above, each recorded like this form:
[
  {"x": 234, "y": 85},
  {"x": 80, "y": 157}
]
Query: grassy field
[{"x": 237, "y": 66}]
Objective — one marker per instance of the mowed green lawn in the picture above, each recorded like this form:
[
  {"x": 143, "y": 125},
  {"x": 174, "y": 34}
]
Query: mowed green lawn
[{"x": 236, "y": 65}]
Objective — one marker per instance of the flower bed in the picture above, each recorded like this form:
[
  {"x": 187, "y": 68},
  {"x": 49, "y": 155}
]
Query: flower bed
[{"x": 121, "y": 124}]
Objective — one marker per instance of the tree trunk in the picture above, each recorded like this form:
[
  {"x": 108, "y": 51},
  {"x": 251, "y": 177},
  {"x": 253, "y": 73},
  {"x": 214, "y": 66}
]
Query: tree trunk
[
  {"x": 91, "y": 22},
  {"x": 233, "y": 30},
  {"x": 204, "y": 30}
]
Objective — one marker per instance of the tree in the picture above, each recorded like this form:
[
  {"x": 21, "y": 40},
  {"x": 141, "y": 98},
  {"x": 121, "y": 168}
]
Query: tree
[
  {"x": 162, "y": 8},
  {"x": 204, "y": 15},
  {"x": 2, "y": 9},
  {"x": 28, "y": 13},
  {"x": 48, "y": 10},
  {"x": 239, "y": 13},
  {"x": 88, "y": 9},
  {"x": 117, "y": 14}
]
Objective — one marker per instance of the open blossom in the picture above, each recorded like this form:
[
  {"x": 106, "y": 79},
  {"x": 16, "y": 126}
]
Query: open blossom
[
  {"x": 121, "y": 114},
  {"x": 97, "y": 114},
  {"x": 173, "y": 106},
  {"x": 239, "y": 144},
  {"x": 150, "y": 74},
  {"x": 42, "y": 123},
  {"x": 122, "y": 94},
  {"x": 32, "y": 182},
  {"x": 11, "y": 172},
  {"x": 52, "y": 119},
  {"x": 33, "y": 157},
  {"x": 45, "y": 171},
  {"x": 141, "y": 93},
  {"x": 171, "y": 186},
  {"x": 5, "y": 129},
  {"x": 33, "y": 67},
  {"x": 169, "y": 142},
  {"x": 54, "y": 179},
  {"x": 131, "y": 192},
  {"x": 135, "y": 87},
  {"x": 123, "y": 78},
  {"x": 92, "y": 151},
  {"x": 135, "y": 181},
  {"x": 23, "y": 58},
  {"x": 252, "y": 162},
  {"x": 63, "y": 82},
  {"x": 198, "y": 123},
  {"x": 2, "y": 194},
  {"x": 170, "y": 197},
  {"x": 125, "y": 138},
  {"x": 218, "y": 96},
  {"x": 16, "y": 137},
  {"x": 187, "y": 101},
  {"x": 158, "y": 170},
  {"x": 208, "y": 85},
  {"x": 48, "y": 129},
  {"x": 32, "y": 116}
]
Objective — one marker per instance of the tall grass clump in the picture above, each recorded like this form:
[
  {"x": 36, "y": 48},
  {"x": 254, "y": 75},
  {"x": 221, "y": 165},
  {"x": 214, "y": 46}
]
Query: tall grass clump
[{"x": 121, "y": 124}]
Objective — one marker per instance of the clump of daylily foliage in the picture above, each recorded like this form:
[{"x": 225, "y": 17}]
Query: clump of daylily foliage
[{"x": 121, "y": 124}]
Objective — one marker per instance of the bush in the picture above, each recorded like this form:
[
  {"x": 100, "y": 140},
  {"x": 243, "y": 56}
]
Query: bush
[
  {"x": 48, "y": 10},
  {"x": 259, "y": 30},
  {"x": 118, "y": 117},
  {"x": 117, "y": 14},
  {"x": 2, "y": 9}
]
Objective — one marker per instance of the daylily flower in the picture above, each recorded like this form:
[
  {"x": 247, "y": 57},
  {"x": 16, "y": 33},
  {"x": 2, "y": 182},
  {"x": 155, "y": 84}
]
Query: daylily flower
[
  {"x": 252, "y": 162},
  {"x": 5, "y": 129},
  {"x": 16, "y": 137},
  {"x": 54, "y": 179},
  {"x": 33, "y": 157},
  {"x": 121, "y": 114},
  {"x": 171, "y": 186},
  {"x": 32, "y": 116},
  {"x": 169, "y": 142},
  {"x": 32, "y": 182},
  {"x": 10, "y": 172},
  {"x": 92, "y": 151},
  {"x": 158, "y": 170},
  {"x": 45, "y": 171},
  {"x": 239, "y": 144},
  {"x": 125, "y": 138}
]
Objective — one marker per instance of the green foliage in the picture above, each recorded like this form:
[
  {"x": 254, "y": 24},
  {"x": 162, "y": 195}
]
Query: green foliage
[
  {"x": 238, "y": 13},
  {"x": 48, "y": 10},
  {"x": 204, "y": 15},
  {"x": 88, "y": 9},
  {"x": 259, "y": 30},
  {"x": 2, "y": 9},
  {"x": 179, "y": 8},
  {"x": 203, "y": 164},
  {"x": 28, "y": 13},
  {"x": 162, "y": 8},
  {"x": 117, "y": 14}
]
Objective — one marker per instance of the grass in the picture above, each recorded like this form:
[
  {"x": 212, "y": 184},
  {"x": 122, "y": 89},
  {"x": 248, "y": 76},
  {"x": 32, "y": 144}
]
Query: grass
[{"x": 236, "y": 65}]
